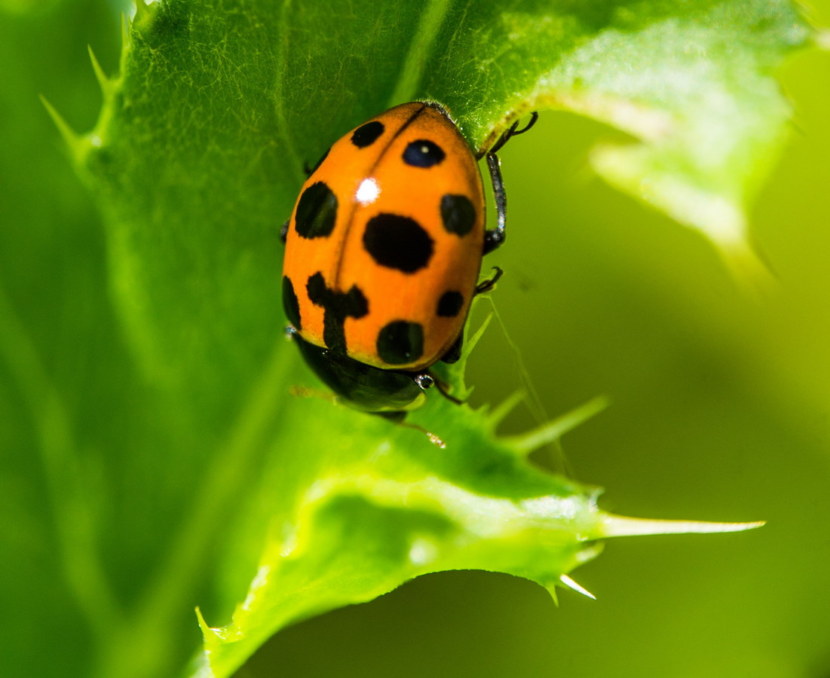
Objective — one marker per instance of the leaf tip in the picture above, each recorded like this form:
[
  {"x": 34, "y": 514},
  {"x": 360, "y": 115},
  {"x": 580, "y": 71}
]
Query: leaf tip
[
  {"x": 472, "y": 341},
  {"x": 505, "y": 407},
  {"x": 203, "y": 625},
  {"x": 566, "y": 581},
  {"x": 104, "y": 82},
  {"x": 73, "y": 140},
  {"x": 621, "y": 526},
  {"x": 126, "y": 39},
  {"x": 553, "y": 430},
  {"x": 552, "y": 592}
]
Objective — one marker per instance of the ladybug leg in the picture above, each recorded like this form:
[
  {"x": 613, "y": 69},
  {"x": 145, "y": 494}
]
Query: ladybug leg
[
  {"x": 284, "y": 231},
  {"x": 490, "y": 283},
  {"x": 427, "y": 380},
  {"x": 453, "y": 353},
  {"x": 495, "y": 237},
  {"x": 513, "y": 131},
  {"x": 399, "y": 418},
  {"x": 424, "y": 380},
  {"x": 443, "y": 389}
]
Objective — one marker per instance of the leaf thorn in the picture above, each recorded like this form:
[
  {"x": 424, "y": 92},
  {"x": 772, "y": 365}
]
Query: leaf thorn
[
  {"x": 472, "y": 341},
  {"x": 574, "y": 586},
  {"x": 72, "y": 139},
  {"x": 200, "y": 618},
  {"x": 126, "y": 40},
  {"x": 103, "y": 81},
  {"x": 551, "y": 431},
  {"x": 505, "y": 407},
  {"x": 621, "y": 526}
]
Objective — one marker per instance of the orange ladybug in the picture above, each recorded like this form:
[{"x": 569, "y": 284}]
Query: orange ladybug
[{"x": 383, "y": 252}]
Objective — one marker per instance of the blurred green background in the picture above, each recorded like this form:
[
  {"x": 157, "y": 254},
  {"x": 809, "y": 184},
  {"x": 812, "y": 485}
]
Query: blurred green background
[{"x": 720, "y": 400}]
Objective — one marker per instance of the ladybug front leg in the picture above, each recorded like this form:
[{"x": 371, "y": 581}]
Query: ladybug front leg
[
  {"x": 444, "y": 389},
  {"x": 489, "y": 283},
  {"x": 495, "y": 237}
]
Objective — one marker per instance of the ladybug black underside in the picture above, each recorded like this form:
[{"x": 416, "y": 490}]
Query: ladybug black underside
[{"x": 362, "y": 386}]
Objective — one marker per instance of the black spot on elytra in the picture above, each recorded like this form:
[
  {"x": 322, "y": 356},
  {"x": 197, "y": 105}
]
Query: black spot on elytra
[
  {"x": 367, "y": 134},
  {"x": 316, "y": 211},
  {"x": 290, "y": 303},
  {"x": 397, "y": 242},
  {"x": 337, "y": 306},
  {"x": 450, "y": 303},
  {"x": 458, "y": 214},
  {"x": 400, "y": 342},
  {"x": 423, "y": 153}
]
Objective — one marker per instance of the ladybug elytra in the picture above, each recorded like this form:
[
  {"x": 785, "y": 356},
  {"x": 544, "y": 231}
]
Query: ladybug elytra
[{"x": 383, "y": 252}]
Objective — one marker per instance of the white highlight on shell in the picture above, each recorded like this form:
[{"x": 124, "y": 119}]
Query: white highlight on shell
[{"x": 367, "y": 192}]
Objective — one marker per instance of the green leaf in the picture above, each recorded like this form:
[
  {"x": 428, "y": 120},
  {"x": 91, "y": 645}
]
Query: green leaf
[
  {"x": 281, "y": 504},
  {"x": 383, "y": 512}
]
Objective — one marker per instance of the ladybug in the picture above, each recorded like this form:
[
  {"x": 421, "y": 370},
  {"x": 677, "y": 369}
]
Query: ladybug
[{"x": 383, "y": 252}]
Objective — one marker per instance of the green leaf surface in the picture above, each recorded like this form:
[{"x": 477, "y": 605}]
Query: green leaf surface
[{"x": 263, "y": 505}]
